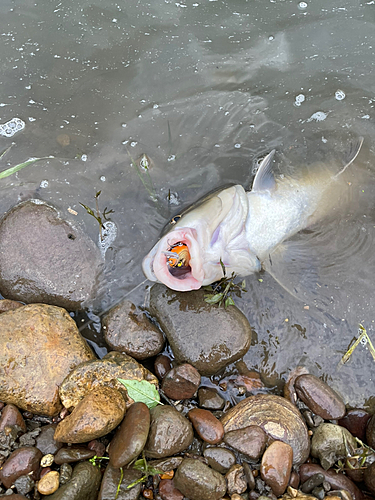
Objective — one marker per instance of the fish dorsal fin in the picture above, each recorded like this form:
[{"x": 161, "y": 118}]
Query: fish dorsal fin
[
  {"x": 352, "y": 154},
  {"x": 264, "y": 179}
]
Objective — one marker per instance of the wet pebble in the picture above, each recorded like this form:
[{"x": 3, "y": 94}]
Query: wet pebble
[
  {"x": 49, "y": 483},
  {"x": 9, "y": 305},
  {"x": 131, "y": 436},
  {"x": 205, "y": 336},
  {"x": 168, "y": 491},
  {"x": 170, "y": 432},
  {"x": 236, "y": 480},
  {"x": 289, "y": 388},
  {"x": 197, "y": 481},
  {"x": 249, "y": 475},
  {"x": 220, "y": 459},
  {"x": 73, "y": 454},
  {"x": 24, "y": 460},
  {"x": 210, "y": 399},
  {"x": 276, "y": 466},
  {"x": 319, "y": 397},
  {"x": 329, "y": 443},
  {"x": 11, "y": 416},
  {"x": 66, "y": 471},
  {"x": 47, "y": 460},
  {"x": 111, "y": 480},
  {"x": 251, "y": 441},
  {"x": 45, "y": 442},
  {"x": 96, "y": 415},
  {"x": 370, "y": 432},
  {"x": 24, "y": 484},
  {"x": 355, "y": 421},
  {"x": 208, "y": 427},
  {"x": 181, "y": 382},
  {"x": 128, "y": 329},
  {"x": 166, "y": 464},
  {"x": 312, "y": 482},
  {"x": 15, "y": 496},
  {"x": 97, "y": 447},
  {"x": 162, "y": 365},
  {"x": 369, "y": 478}
]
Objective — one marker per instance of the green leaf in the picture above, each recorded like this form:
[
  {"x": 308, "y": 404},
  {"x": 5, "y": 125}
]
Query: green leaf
[
  {"x": 214, "y": 299},
  {"x": 223, "y": 268},
  {"x": 16, "y": 168},
  {"x": 142, "y": 391},
  {"x": 229, "y": 302}
]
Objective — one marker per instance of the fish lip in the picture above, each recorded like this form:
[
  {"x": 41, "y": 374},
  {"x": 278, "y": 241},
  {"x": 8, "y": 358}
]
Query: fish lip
[{"x": 148, "y": 265}]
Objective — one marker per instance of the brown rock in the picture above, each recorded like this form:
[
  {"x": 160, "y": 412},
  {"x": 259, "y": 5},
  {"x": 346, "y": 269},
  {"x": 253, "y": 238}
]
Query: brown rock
[
  {"x": 276, "y": 466},
  {"x": 112, "y": 478},
  {"x": 208, "y": 427},
  {"x": 168, "y": 491},
  {"x": 197, "y": 481},
  {"x": 39, "y": 346},
  {"x": 370, "y": 432},
  {"x": 181, "y": 382},
  {"x": 369, "y": 477},
  {"x": 162, "y": 366},
  {"x": 128, "y": 329},
  {"x": 9, "y": 305},
  {"x": 210, "y": 399},
  {"x": 355, "y": 421},
  {"x": 73, "y": 454},
  {"x": 97, "y": 414},
  {"x": 236, "y": 480},
  {"x": 220, "y": 459},
  {"x": 251, "y": 441},
  {"x": 103, "y": 372},
  {"x": 24, "y": 460},
  {"x": 49, "y": 483},
  {"x": 11, "y": 416},
  {"x": 45, "y": 442}
]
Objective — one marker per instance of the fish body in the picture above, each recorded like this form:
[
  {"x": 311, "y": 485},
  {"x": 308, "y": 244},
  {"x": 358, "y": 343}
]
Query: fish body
[{"x": 241, "y": 229}]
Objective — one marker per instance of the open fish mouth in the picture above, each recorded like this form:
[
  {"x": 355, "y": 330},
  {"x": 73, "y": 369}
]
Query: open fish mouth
[{"x": 176, "y": 261}]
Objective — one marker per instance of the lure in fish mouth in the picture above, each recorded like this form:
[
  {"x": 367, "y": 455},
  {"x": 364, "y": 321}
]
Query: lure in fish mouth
[{"x": 241, "y": 229}]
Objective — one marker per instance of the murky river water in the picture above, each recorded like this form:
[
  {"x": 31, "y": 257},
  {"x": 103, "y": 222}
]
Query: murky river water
[{"x": 204, "y": 88}]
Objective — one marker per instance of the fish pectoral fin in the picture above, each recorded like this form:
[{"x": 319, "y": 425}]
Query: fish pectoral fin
[
  {"x": 351, "y": 155},
  {"x": 264, "y": 178}
]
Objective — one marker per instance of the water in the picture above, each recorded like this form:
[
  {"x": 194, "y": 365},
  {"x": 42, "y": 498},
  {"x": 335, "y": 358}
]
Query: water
[{"x": 203, "y": 89}]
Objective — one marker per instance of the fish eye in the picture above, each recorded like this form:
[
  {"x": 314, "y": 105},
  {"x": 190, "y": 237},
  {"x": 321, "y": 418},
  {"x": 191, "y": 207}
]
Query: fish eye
[{"x": 175, "y": 219}]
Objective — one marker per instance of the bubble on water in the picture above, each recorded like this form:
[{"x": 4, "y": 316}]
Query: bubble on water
[
  {"x": 44, "y": 184},
  {"x": 302, "y": 5},
  {"x": 10, "y": 128},
  {"x": 155, "y": 106},
  {"x": 319, "y": 116},
  {"x": 171, "y": 158},
  {"x": 324, "y": 140},
  {"x": 237, "y": 145},
  {"x": 133, "y": 143},
  {"x": 173, "y": 198},
  {"x": 108, "y": 236},
  {"x": 123, "y": 125},
  {"x": 271, "y": 37},
  {"x": 340, "y": 95},
  {"x": 365, "y": 117},
  {"x": 299, "y": 99},
  {"x": 84, "y": 157},
  {"x": 102, "y": 178}
]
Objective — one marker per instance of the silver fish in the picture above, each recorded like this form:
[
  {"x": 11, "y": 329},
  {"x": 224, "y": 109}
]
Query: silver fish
[{"x": 241, "y": 228}]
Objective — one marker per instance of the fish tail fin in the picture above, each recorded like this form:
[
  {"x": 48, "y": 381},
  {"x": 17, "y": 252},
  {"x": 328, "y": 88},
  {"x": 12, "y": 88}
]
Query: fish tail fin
[{"x": 352, "y": 154}]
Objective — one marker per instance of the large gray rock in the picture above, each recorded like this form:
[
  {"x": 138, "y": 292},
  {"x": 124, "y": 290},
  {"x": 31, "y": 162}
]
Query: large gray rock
[
  {"x": 197, "y": 481},
  {"x": 43, "y": 258},
  {"x": 207, "y": 336}
]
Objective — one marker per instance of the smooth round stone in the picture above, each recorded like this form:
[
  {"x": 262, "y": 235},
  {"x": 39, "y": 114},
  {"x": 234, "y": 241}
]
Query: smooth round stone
[
  {"x": 66, "y": 472},
  {"x": 127, "y": 329},
  {"x": 168, "y": 491},
  {"x": 249, "y": 475},
  {"x": 196, "y": 481},
  {"x": 73, "y": 454},
  {"x": 45, "y": 259},
  {"x": 236, "y": 480},
  {"x": 203, "y": 335},
  {"x": 96, "y": 415},
  {"x": 337, "y": 480},
  {"x": 209, "y": 399},
  {"x": 24, "y": 460},
  {"x": 166, "y": 464},
  {"x": 330, "y": 443},
  {"x": 84, "y": 484},
  {"x": 220, "y": 459},
  {"x": 11, "y": 416},
  {"x": 15, "y": 496},
  {"x": 49, "y": 483},
  {"x": 46, "y": 340},
  {"x": 289, "y": 388},
  {"x": 181, "y": 382},
  {"x": 355, "y": 421},
  {"x": 8, "y": 305},
  {"x": 369, "y": 478},
  {"x": 97, "y": 447},
  {"x": 319, "y": 397},
  {"x": 208, "y": 427},
  {"x": 45, "y": 442},
  {"x": 251, "y": 441},
  {"x": 111, "y": 480},
  {"x": 162, "y": 365},
  {"x": 370, "y": 432},
  {"x": 47, "y": 460},
  {"x": 24, "y": 484},
  {"x": 131, "y": 436},
  {"x": 276, "y": 466},
  {"x": 170, "y": 432}
]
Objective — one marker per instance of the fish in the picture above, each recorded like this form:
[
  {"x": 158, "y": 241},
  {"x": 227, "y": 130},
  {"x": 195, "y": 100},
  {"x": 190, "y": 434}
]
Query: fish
[{"x": 241, "y": 229}]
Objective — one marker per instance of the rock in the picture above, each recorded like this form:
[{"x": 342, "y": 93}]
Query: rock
[
  {"x": 370, "y": 432},
  {"x": 206, "y": 336},
  {"x": 197, "y": 481},
  {"x": 168, "y": 491},
  {"x": 276, "y": 466},
  {"x": 9, "y": 305},
  {"x": 162, "y": 366},
  {"x": 102, "y": 372},
  {"x": 330, "y": 443},
  {"x": 170, "y": 432},
  {"x": 128, "y": 329},
  {"x": 279, "y": 419},
  {"x": 15, "y": 496},
  {"x": 73, "y": 454},
  {"x": 249, "y": 475},
  {"x": 236, "y": 480},
  {"x": 369, "y": 477},
  {"x": 209, "y": 399},
  {"x": 319, "y": 397},
  {"x": 47, "y": 460},
  {"x": 355, "y": 421},
  {"x": 166, "y": 464},
  {"x": 45, "y": 259},
  {"x": 45, "y": 442},
  {"x": 95, "y": 416},
  {"x": 220, "y": 459},
  {"x": 39, "y": 346},
  {"x": 24, "y": 460},
  {"x": 131, "y": 436},
  {"x": 11, "y": 416},
  {"x": 251, "y": 441},
  {"x": 84, "y": 484},
  {"x": 312, "y": 482},
  {"x": 111, "y": 480},
  {"x": 49, "y": 483},
  {"x": 97, "y": 447},
  {"x": 24, "y": 484},
  {"x": 66, "y": 472},
  {"x": 289, "y": 388},
  {"x": 181, "y": 382},
  {"x": 208, "y": 427}
]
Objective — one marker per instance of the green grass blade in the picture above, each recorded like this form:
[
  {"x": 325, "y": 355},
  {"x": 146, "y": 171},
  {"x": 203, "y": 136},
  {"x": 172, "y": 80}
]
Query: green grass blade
[{"x": 20, "y": 166}]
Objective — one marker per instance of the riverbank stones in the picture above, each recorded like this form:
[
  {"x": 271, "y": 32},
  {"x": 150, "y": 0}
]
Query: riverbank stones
[
  {"x": 206, "y": 336},
  {"x": 110, "y": 489},
  {"x": 207, "y": 426},
  {"x": 196, "y": 481},
  {"x": 39, "y": 346},
  {"x": 43, "y": 258},
  {"x": 276, "y": 466},
  {"x": 25, "y": 460},
  {"x": 181, "y": 382}
]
